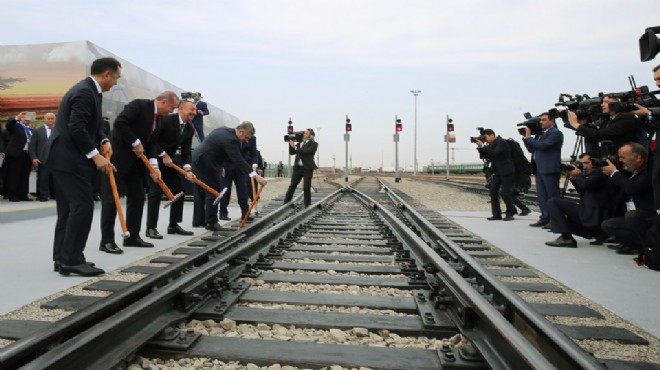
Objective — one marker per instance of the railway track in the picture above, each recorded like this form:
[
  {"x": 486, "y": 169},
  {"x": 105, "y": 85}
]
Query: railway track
[{"x": 350, "y": 281}]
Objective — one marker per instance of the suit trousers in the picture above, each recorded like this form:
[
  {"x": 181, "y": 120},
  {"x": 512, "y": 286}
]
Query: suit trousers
[
  {"x": 204, "y": 212},
  {"x": 300, "y": 173},
  {"x": 172, "y": 179},
  {"x": 75, "y": 210},
  {"x": 631, "y": 228},
  {"x": 18, "y": 176},
  {"x": 44, "y": 182},
  {"x": 565, "y": 218},
  {"x": 133, "y": 182},
  {"x": 239, "y": 180},
  {"x": 547, "y": 187},
  {"x": 501, "y": 186}
]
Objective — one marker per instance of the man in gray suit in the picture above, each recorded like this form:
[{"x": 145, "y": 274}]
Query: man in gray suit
[{"x": 37, "y": 145}]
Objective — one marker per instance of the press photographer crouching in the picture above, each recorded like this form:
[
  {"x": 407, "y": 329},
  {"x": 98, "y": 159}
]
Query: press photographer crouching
[
  {"x": 499, "y": 154},
  {"x": 634, "y": 182},
  {"x": 584, "y": 218}
]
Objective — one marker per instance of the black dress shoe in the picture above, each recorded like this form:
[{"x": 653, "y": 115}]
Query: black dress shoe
[
  {"x": 56, "y": 265},
  {"x": 176, "y": 229},
  {"x": 197, "y": 225},
  {"x": 83, "y": 270},
  {"x": 43, "y": 199},
  {"x": 539, "y": 223},
  {"x": 26, "y": 199},
  {"x": 599, "y": 239},
  {"x": 215, "y": 227},
  {"x": 547, "y": 226},
  {"x": 494, "y": 218},
  {"x": 137, "y": 242},
  {"x": 525, "y": 212},
  {"x": 224, "y": 218},
  {"x": 153, "y": 234},
  {"x": 250, "y": 218},
  {"x": 110, "y": 247},
  {"x": 563, "y": 243},
  {"x": 628, "y": 250},
  {"x": 508, "y": 218}
]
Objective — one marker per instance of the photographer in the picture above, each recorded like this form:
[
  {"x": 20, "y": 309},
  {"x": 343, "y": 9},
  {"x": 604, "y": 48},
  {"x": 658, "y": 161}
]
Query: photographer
[
  {"x": 635, "y": 185},
  {"x": 303, "y": 166},
  {"x": 621, "y": 127},
  {"x": 584, "y": 218},
  {"x": 546, "y": 157},
  {"x": 499, "y": 154}
]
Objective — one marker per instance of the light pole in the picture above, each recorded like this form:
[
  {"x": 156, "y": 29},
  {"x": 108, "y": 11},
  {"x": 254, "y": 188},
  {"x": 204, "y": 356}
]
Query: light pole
[{"x": 415, "y": 92}]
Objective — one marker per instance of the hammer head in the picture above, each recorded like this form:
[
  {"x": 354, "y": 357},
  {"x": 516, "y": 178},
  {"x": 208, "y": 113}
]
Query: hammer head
[
  {"x": 126, "y": 235},
  {"x": 176, "y": 197},
  {"x": 219, "y": 197}
]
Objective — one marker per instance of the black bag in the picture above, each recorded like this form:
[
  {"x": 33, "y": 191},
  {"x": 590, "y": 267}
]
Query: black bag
[
  {"x": 650, "y": 255},
  {"x": 520, "y": 161}
]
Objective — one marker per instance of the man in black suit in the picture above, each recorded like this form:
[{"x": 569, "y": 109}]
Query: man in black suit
[
  {"x": 133, "y": 136},
  {"x": 45, "y": 189},
  {"x": 303, "y": 166},
  {"x": 17, "y": 158},
  {"x": 72, "y": 154},
  {"x": 173, "y": 146},
  {"x": 634, "y": 181},
  {"x": 232, "y": 175},
  {"x": 498, "y": 153},
  {"x": 220, "y": 145},
  {"x": 584, "y": 218}
]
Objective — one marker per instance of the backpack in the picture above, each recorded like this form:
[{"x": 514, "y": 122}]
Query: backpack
[
  {"x": 520, "y": 161},
  {"x": 650, "y": 255}
]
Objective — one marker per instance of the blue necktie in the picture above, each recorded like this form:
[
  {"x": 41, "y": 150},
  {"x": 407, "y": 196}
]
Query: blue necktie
[{"x": 28, "y": 132}]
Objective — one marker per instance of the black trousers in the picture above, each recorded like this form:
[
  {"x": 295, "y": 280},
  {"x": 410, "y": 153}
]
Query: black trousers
[
  {"x": 172, "y": 179},
  {"x": 631, "y": 228},
  {"x": 565, "y": 218},
  {"x": 75, "y": 210},
  {"x": 45, "y": 186},
  {"x": 501, "y": 186},
  {"x": 208, "y": 172},
  {"x": 300, "y": 173},
  {"x": 133, "y": 182},
  {"x": 238, "y": 179},
  {"x": 18, "y": 176}
]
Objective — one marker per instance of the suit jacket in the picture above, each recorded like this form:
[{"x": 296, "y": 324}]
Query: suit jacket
[
  {"x": 594, "y": 197},
  {"x": 220, "y": 146},
  {"x": 169, "y": 138},
  {"x": 638, "y": 187},
  {"x": 134, "y": 122},
  {"x": 546, "y": 150},
  {"x": 248, "y": 151},
  {"x": 621, "y": 129},
  {"x": 499, "y": 155},
  {"x": 305, "y": 152},
  {"x": 199, "y": 118},
  {"x": 17, "y": 138},
  {"x": 78, "y": 130},
  {"x": 38, "y": 143}
]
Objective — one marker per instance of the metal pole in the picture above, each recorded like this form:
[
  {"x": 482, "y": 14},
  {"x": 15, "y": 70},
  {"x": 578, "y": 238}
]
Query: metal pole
[
  {"x": 415, "y": 92},
  {"x": 447, "y": 128}
]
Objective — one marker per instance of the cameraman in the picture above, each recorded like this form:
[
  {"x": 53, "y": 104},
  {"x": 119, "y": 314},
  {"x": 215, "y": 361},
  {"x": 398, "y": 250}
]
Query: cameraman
[
  {"x": 498, "y": 153},
  {"x": 621, "y": 128},
  {"x": 635, "y": 186},
  {"x": 303, "y": 166},
  {"x": 584, "y": 218},
  {"x": 546, "y": 156}
]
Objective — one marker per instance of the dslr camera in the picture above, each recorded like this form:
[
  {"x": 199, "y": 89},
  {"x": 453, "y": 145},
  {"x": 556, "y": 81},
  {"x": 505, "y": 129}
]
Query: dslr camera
[
  {"x": 607, "y": 151},
  {"x": 296, "y": 136},
  {"x": 532, "y": 123},
  {"x": 187, "y": 95},
  {"x": 481, "y": 137}
]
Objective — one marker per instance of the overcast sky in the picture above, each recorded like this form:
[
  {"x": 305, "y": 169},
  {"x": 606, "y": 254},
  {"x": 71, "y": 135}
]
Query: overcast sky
[{"x": 483, "y": 63}]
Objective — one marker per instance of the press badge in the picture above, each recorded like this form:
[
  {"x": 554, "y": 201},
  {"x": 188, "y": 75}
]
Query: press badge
[{"x": 630, "y": 205}]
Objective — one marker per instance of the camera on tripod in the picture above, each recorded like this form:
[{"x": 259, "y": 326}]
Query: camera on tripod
[
  {"x": 296, "y": 136},
  {"x": 481, "y": 137},
  {"x": 585, "y": 108},
  {"x": 532, "y": 123}
]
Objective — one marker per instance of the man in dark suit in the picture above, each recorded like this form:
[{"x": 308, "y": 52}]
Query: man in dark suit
[
  {"x": 584, "y": 218},
  {"x": 303, "y": 166},
  {"x": 173, "y": 146},
  {"x": 133, "y": 136},
  {"x": 17, "y": 158},
  {"x": 37, "y": 145},
  {"x": 221, "y": 145},
  {"x": 546, "y": 155},
  {"x": 634, "y": 181},
  {"x": 72, "y": 155},
  {"x": 202, "y": 110},
  {"x": 232, "y": 175},
  {"x": 498, "y": 153}
]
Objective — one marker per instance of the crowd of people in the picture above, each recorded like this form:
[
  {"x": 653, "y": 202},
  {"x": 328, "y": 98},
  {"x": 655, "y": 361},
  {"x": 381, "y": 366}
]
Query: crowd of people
[
  {"x": 619, "y": 194},
  {"x": 149, "y": 148}
]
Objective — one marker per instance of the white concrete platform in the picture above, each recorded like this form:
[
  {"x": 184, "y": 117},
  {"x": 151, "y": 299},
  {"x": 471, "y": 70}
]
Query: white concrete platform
[{"x": 596, "y": 272}]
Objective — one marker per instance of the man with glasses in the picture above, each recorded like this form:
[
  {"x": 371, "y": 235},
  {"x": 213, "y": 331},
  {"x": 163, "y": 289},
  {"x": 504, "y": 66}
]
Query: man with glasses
[{"x": 584, "y": 218}]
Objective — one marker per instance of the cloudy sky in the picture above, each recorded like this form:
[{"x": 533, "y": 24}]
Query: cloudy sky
[{"x": 483, "y": 63}]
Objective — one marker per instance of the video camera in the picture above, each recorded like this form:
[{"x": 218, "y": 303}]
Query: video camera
[
  {"x": 532, "y": 123},
  {"x": 649, "y": 44},
  {"x": 296, "y": 136},
  {"x": 584, "y": 107},
  {"x": 481, "y": 137},
  {"x": 187, "y": 95},
  {"x": 637, "y": 95}
]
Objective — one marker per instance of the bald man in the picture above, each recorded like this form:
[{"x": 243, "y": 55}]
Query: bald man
[{"x": 45, "y": 187}]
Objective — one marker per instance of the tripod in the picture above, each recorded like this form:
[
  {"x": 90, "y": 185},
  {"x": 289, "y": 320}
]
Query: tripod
[{"x": 577, "y": 149}]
